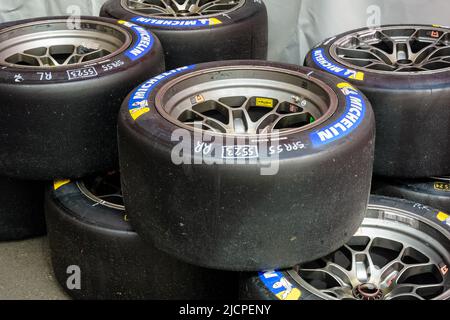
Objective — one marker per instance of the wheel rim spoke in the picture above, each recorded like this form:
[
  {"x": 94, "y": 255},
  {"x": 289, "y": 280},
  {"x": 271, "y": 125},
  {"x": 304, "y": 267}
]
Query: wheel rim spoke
[
  {"x": 183, "y": 8},
  {"x": 393, "y": 49},
  {"x": 59, "y": 46},
  {"x": 385, "y": 263},
  {"x": 247, "y": 105}
]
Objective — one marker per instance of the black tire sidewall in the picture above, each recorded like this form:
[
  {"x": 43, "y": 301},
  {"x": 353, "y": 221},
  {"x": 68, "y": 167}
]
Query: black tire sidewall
[{"x": 22, "y": 209}]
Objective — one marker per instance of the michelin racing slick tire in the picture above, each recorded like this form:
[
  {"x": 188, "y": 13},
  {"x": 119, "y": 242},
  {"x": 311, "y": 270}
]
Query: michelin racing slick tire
[
  {"x": 401, "y": 252},
  {"x": 21, "y": 209},
  {"x": 212, "y": 31},
  {"x": 89, "y": 233},
  {"x": 225, "y": 163},
  {"x": 433, "y": 192},
  {"x": 404, "y": 70},
  {"x": 61, "y": 89}
]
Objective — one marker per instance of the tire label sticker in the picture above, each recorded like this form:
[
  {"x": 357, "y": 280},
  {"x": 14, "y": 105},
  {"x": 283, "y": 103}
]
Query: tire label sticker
[
  {"x": 138, "y": 104},
  {"x": 59, "y": 183},
  {"x": 144, "y": 43},
  {"x": 82, "y": 73},
  {"x": 279, "y": 285},
  {"x": 324, "y": 63},
  {"x": 191, "y": 23},
  {"x": 443, "y": 268},
  {"x": 264, "y": 102},
  {"x": 349, "y": 121},
  {"x": 442, "y": 186},
  {"x": 197, "y": 99}
]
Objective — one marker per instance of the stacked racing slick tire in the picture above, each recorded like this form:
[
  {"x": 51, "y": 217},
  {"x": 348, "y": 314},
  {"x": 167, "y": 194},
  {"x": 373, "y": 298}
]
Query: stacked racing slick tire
[
  {"x": 195, "y": 31},
  {"x": 61, "y": 86},
  {"x": 404, "y": 71},
  {"x": 97, "y": 255},
  {"x": 433, "y": 192},
  {"x": 21, "y": 209},
  {"x": 401, "y": 252},
  {"x": 225, "y": 163}
]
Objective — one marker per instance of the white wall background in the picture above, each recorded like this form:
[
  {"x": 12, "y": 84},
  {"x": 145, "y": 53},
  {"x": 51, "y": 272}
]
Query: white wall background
[{"x": 295, "y": 25}]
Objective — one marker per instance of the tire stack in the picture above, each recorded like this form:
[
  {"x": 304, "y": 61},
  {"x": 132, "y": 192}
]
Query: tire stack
[
  {"x": 402, "y": 250},
  {"x": 61, "y": 85},
  {"x": 224, "y": 167}
]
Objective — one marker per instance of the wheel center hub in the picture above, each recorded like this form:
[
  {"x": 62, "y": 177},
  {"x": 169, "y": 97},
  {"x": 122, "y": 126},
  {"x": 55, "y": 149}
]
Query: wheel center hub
[{"x": 367, "y": 291}]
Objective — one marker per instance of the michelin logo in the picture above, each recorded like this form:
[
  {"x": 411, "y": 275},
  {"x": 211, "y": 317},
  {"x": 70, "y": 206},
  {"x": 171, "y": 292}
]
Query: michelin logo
[
  {"x": 143, "y": 44},
  {"x": 351, "y": 119},
  {"x": 141, "y": 104},
  {"x": 322, "y": 61},
  {"x": 177, "y": 23},
  {"x": 138, "y": 104}
]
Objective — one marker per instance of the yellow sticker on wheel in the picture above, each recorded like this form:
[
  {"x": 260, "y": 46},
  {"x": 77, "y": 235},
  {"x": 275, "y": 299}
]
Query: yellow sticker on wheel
[
  {"x": 59, "y": 183},
  {"x": 442, "y": 216},
  {"x": 197, "y": 99},
  {"x": 264, "y": 102}
]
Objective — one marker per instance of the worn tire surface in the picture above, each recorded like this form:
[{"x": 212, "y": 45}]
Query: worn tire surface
[{"x": 21, "y": 209}]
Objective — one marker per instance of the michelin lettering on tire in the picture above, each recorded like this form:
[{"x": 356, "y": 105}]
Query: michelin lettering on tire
[
  {"x": 138, "y": 104},
  {"x": 144, "y": 43},
  {"x": 325, "y": 64},
  {"x": 349, "y": 121},
  {"x": 186, "y": 24}
]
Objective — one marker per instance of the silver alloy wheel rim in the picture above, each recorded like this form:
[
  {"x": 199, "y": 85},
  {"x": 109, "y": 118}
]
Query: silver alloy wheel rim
[
  {"x": 51, "y": 44},
  {"x": 393, "y": 256},
  {"x": 181, "y": 8},
  {"x": 246, "y": 101},
  {"x": 400, "y": 49},
  {"x": 112, "y": 199}
]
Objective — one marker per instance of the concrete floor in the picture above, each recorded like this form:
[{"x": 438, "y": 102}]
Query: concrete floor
[{"x": 25, "y": 271}]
